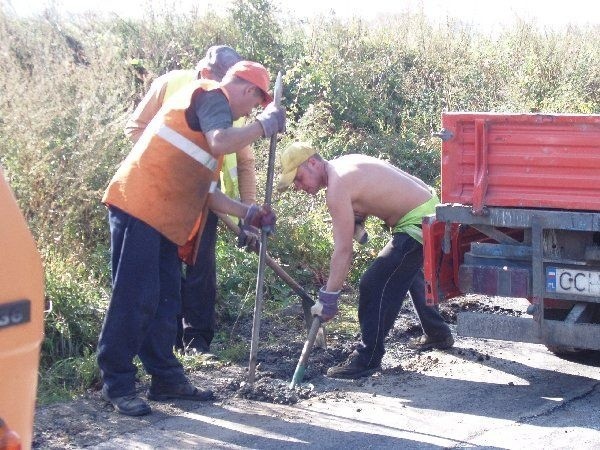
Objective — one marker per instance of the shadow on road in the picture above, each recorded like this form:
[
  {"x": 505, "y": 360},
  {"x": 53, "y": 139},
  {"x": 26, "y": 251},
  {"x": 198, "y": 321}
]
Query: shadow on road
[
  {"x": 265, "y": 426},
  {"x": 485, "y": 385}
]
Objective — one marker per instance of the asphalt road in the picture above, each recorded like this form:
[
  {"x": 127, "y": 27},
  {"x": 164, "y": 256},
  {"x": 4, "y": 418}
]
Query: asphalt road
[{"x": 482, "y": 394}]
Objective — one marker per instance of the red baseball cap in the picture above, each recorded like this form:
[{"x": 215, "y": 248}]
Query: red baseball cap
[{"x": 255, "y": 73}]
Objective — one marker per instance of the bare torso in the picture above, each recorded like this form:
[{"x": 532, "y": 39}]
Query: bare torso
[{"x": 376, "y": 188}]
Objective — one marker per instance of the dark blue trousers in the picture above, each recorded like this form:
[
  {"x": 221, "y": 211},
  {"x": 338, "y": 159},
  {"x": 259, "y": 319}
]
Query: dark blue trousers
[
  {"x": 141, "y": 316},
  {"x": 398, "y": 269},
  {"x": 196, "y": 328}
]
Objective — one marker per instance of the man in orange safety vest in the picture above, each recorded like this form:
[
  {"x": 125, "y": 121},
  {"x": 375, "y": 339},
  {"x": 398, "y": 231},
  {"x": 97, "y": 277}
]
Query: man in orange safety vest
[
  {"x": 197, "y": 322},
  {"x": 157, "y": 203}
]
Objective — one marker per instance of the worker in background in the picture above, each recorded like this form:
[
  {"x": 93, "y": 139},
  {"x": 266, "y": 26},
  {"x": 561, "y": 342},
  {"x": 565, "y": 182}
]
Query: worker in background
[
  {"x": 157, "y": 204},
  {"x": 196, "y": 325},
  {"x": 358, "y": 186}
]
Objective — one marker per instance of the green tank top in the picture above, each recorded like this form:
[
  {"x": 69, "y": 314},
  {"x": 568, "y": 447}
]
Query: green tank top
[{"x": 411, "y": 222}]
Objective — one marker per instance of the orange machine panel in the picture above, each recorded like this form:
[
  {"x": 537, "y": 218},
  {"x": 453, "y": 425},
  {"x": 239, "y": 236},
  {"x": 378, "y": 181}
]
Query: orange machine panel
[
  {"x": 21, "y": 321},
  {"x": 521, "y": 160}
]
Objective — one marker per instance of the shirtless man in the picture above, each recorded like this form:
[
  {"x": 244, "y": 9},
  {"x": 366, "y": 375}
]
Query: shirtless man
[{"x": 358, "y": 186}]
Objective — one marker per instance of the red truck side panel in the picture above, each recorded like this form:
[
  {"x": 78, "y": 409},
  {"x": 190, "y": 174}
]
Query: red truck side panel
[
  {"x": 442, "y": 267},
  {"x": 521, "y": 160},
  {"x": 438, "y": 267}
]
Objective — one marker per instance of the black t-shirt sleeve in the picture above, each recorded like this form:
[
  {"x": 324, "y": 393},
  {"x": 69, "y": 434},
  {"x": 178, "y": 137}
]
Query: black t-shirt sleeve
[{"x": 209, "y": 111}]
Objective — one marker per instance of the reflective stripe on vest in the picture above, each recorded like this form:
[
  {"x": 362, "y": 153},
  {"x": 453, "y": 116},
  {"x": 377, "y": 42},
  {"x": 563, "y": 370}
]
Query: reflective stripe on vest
[
  {"x": 229, "y": 176},
  {"x": 232, "y": 172},
  {"x": 187, "y": 146}
]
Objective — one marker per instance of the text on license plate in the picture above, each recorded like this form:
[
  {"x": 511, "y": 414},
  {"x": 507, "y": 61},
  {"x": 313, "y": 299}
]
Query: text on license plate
[{"x": 573, "y": 281}]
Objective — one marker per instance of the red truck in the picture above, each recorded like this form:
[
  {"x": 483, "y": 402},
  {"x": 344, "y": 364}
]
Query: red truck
[{"x": 520, "y": 217}]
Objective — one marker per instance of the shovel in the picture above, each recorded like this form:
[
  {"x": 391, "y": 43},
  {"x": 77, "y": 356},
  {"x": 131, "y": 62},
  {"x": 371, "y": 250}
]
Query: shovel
[{"x": 308, "y": 345}]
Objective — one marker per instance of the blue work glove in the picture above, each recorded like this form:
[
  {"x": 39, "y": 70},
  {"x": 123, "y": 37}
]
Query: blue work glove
[
  {"x": 272, "y": 119},
  {"x": 261, "y": 217},
  {"x": 327, "y": 305}
]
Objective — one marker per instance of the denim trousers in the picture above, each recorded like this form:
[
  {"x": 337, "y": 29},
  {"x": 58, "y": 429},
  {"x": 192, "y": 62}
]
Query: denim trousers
[
  {"x": 145, "y": 301},
  {"x": 398, "y": 269},
  {"x": 196, "y": 326}
]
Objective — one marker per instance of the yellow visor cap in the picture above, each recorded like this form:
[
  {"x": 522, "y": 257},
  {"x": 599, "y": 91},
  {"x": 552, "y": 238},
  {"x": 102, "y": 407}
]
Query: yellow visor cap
[{"x": 291, "y": 158}]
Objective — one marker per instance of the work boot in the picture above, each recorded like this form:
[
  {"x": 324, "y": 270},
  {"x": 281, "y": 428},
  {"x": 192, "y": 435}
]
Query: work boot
[
  {"x": 426, "y": 342},
  {"x": 180, "y": 391},
  {"x": 353, "y": 368},
  {"x": 129, "y": 405}
]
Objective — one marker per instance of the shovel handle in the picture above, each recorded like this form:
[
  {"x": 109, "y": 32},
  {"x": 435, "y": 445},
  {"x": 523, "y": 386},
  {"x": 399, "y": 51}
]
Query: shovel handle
[
  {"x": 262, "y": 253},
  {"x": 308, "y": 345},
  {"x": 306, "y": 299}
]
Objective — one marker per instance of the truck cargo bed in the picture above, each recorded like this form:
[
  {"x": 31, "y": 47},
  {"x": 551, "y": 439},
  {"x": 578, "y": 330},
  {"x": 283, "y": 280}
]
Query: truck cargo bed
[{"x": 521, "y": 160}]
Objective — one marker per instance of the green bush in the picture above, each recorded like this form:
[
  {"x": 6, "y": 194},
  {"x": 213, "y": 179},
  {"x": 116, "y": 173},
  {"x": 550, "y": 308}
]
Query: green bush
[{"x": 71, "y": 326}]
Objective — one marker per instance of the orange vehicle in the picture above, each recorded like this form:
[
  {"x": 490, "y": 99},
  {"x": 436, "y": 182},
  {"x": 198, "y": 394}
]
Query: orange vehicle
[
  {"x": 21, "y": 323},
  {"x": 520, "y": 217}
]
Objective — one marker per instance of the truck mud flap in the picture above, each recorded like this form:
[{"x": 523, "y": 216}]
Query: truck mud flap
[{"x": 525, "y": 329}]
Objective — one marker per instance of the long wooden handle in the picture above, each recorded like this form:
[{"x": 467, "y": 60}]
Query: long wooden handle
[
  {"x": 307, "y": 300},
  {"x": 262, "y": 255},
  {"x": 308, "y": 345}
]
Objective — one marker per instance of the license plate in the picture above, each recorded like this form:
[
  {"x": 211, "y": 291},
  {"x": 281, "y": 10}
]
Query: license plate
[{"x": 573, "y": 281}]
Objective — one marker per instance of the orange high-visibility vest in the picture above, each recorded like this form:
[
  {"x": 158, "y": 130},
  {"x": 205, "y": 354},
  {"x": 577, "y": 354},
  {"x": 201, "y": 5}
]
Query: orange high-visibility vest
[
  {"x": 229, "y": 175},
  {"x": 165, "y": 180}
]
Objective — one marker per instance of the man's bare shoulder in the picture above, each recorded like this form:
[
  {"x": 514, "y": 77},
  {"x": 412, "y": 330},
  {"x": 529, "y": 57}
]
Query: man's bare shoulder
[
  {"x": 376, "y": 187},
  {"x": 345, "y": 178},
  {"x": 346, "y": 166},
  {"x": 352, "y": 170}
]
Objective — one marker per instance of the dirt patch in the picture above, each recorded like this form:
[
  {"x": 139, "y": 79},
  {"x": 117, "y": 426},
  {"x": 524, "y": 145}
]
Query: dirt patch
[{"x": 89, "y": 420}]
